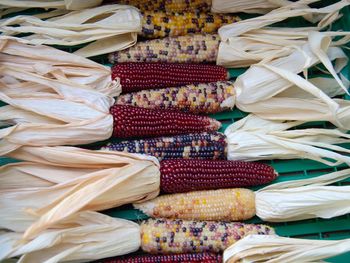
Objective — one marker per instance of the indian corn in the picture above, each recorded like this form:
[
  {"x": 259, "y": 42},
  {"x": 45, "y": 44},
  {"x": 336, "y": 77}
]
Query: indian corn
[
  {"x": 172, "y": 258},
  {"x": 189, "y": 175},
  {"x": 163, "y": 236},
  {"x": 197, "y": 145},
  {"x": 139, "y": 122},
  {"x": 194, "y": 98},
  {"x": 224, "y": 204},
  {"x": 158, "y": 24},
  {"x": 197, "y": 48},
  {"x": 169, "y": 5},
  {"x": 140, "y": 76}
]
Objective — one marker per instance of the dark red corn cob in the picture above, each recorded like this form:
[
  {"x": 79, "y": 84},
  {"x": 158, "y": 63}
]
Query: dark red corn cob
[
  {"x": 172, "y": 258},
  {"x": 184, "y": 175},
  {"x": 198, "y": 145},
  {"x": 132, "y": 122},
  {"x": 140, "y": 76}
]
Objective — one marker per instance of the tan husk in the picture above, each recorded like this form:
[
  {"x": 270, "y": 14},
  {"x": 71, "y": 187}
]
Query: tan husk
[
  {"x": 82, "y": 237},
  {"x": 56, "y": 182},
  {"x": 112, "y": 27},
  {"x": 274, "y": 249},
  {"x": 53, "y": 97},
  {"x": 60, "y": 4}
]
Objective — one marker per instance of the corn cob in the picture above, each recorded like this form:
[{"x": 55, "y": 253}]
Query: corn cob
[
  {"x": 162, "y": 236},
  {"x": 138, "y": 122},
  {"x": 201, "y": 145},
  {"x": 197, "y": 48},
  {"x": 224, "y": 204},
  {"x": 169, "y": 5},
  {"x": 139, "y": 76},
  {"x": 180, "y": 175},
  {"x": 193, "y": 98},
  {"x": 158, "y": 24},
  {"x": 185, "y": 258}
]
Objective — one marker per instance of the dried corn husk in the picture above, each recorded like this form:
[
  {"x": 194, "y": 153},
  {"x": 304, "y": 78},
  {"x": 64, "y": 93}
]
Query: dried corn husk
[
  {"x": 83, "y": 236},
  {"x": 111, "y": 27},
  {"x": 59, "y": 4},
  {"x": 304, "y": 199},
  {"x": 53, "y": 97},
  {"x": 273, "y": 249},
  {"x": 55, "y": 182},
  {"x": 253, "y": 138}
]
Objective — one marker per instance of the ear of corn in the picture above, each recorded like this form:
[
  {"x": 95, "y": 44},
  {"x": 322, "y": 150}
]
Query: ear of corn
[
  {"x": 197, "y": 48},
  {"x": 162, "y": 236},
  {"x": 140, "y": 76},
  {"x": 193, "y": 98},
  {"x": 223, "y": 204},
  {"x": 184, "y": 257},
  {"x": 138, "y": 122},
  {"x": 158, "y": 24},
  {"x": 198, "y": 145},
  {"x": 190, "y": 175},
  {"x": 169, "y": 5}
]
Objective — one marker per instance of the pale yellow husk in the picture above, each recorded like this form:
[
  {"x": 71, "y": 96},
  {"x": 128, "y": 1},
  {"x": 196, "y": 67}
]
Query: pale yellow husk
[
  {"x": 82, "y": 237},
  {"x": 275, "y": 249},
  {"x": 111, "y": 27},
  {"x": 253, "y": 138},
  {"x": 53, "y": 97},
  {"x": 60, "y": 4},
  {"x": 55, "y": 182}
]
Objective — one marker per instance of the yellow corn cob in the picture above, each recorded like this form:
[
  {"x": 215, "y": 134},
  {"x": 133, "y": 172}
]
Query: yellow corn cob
[
  {"x": 169, "y": 5},
  {"x": 224, "y": 204},
  {"x": 157, "y": 24}
]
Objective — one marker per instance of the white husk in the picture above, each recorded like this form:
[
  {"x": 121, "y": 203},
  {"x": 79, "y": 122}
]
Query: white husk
[
  {"x": 55, "y": 182},
  {"x": 111, "y": 27},
  {"x": 275, "y": 249},
  {"x": 253, "y": 138},
  {"x": 60, "y": 4},
  {"x": 82, "y": 237},
  {"x": 304, "y": 199},
  {"x": 55, "y": 98}
]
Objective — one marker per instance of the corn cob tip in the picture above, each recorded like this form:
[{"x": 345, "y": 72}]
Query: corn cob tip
[{"x": 214, "y": 125}]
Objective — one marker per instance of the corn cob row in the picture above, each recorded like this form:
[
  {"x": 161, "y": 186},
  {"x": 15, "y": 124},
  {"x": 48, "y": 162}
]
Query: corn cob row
[
  {"x": 138, "y": 122},
  {"x": 223, "y": 204},
  {"x": 139, "y": 76},
  {"x": 181, "y": 175},
  {"x": 200, "y": 145},
  {"x": 185, "y": 258},
  {"x": 158, "y": 24},
  {"x": 197, "y": 48},
  {"x": 169, "y": 5},
  {"x": 193, "y": 98},
  {"x": 162, "y": 236}
]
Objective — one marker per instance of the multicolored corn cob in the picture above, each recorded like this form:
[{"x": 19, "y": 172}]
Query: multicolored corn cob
[
  {"x": 162, "y": 236},
  {"x": 169, "y": 5},
  {"x": 181, "y": 175},
  {"x": 173, "y": 258},
  {"x": 140, "y": 76},
  {"x": 224, "y": 204},
  {"x": 199, "y": 145},
  {"x": 132, "y": 121},
  {"x": 158, "y": 24},
  {"x": 197, "y": 48},
  {"x": 194, "y": 98}
]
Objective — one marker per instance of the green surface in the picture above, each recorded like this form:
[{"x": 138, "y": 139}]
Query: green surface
[{"x": 336, "y": 228}]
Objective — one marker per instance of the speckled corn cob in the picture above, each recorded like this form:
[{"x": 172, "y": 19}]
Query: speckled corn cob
[
  {"x": 173, "y": 258},
  {"x": 138, "y": 122},
  {"x": 197, "y": 48},
  {"x": 181, "y": 175},
  {"x": 140, "y": 76},
  {"x": 162, "y": 236},
  {"x": 200, "y": 145},
  {"x": 169, "y": 5},
  {"x": 223, "y": 204},
  {"x": 158, "y": 24},
  {"x": 194, "y": 98}
]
